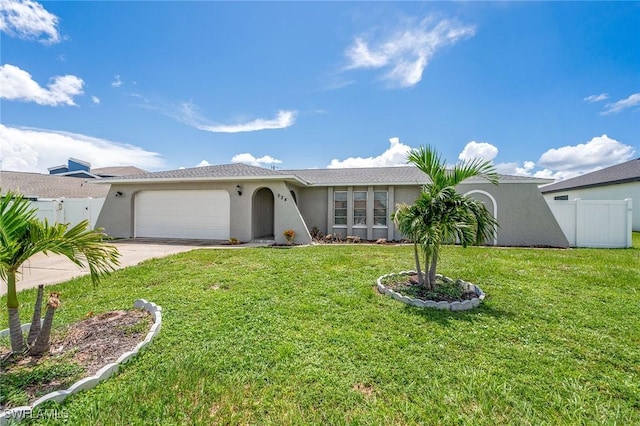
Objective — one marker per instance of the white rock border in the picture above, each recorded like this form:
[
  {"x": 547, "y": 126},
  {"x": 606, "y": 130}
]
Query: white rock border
[
  {"x": 18, "y": 413},
  {"x": 445, "y": 306}
]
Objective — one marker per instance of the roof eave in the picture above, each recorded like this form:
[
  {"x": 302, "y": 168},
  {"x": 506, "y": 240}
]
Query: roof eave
[
  {"x": 288, "y": 178},
  {"x": 587, "y": 186}
]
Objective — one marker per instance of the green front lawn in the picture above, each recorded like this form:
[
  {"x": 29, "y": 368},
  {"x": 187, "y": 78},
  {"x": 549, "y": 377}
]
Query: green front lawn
[{"x": 299, "y": 336}]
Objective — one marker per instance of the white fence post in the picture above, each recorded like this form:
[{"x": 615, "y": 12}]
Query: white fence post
[{"x": 629, "y": 226}]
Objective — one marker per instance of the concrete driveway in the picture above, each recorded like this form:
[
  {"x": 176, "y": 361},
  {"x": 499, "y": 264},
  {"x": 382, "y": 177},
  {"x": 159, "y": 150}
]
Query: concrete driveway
[{"x": 52, "y": 269}]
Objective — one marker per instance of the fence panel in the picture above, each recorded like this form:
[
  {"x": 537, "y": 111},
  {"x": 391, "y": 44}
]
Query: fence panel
[
  {"x": 46, "y": 210},
  {"x": 594, "y": 223},
  {"x": 69, "y": 210}
]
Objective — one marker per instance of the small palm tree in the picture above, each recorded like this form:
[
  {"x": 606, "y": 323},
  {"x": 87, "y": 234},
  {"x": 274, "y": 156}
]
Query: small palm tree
[
  {"x": 440, "y": 214},
  {"x": 22, "y": 235}
]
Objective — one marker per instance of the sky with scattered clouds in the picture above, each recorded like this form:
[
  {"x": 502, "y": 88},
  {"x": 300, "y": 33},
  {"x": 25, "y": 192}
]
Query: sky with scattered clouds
[{"x": 544, "y": 89}]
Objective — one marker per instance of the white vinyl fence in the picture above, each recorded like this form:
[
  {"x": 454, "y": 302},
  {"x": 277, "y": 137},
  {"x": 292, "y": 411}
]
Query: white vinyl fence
[
  {"x": 595, "y": 223},
  {"x": 69, "y": 210}
]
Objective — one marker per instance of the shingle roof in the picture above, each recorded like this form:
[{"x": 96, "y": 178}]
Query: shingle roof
[
  {"x": 354, "y": 176},
  {"x": 406, "y": 175},
  {"x": 49, "y": 186},
  {"x": 221, "y": 171},
  {"x": 117, "y": 171},
  {"x": 620, "y": 173}
]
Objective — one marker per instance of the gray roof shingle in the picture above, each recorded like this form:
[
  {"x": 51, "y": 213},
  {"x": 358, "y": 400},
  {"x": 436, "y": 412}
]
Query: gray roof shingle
[
  {"x": 221, "y": 171},
  {"x": 117, "y": 171},
  {"x": 404, "y": 175},
  {"x": 620, "y": 173},
  {"x": 49, "y": 186}
]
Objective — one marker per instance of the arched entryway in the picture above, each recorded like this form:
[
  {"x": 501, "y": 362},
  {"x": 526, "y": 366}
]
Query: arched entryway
[
  {"x": 491, "y": 204},
  {"x": 263, "y": 214}
]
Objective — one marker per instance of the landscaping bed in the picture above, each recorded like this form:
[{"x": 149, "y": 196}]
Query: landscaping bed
[{"x": 79, "y": 351}]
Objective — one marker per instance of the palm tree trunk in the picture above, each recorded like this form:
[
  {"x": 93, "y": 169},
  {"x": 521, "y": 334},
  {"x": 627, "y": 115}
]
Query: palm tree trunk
[
  {"x": 432, "y": 270},
  {"x": 37, "y": 313},
  {"x": 17, "y": 341},
  {"x": 15, "y": 332},
  {"x": 416, "y": 254},
  {"x": 42, "y": 343}
]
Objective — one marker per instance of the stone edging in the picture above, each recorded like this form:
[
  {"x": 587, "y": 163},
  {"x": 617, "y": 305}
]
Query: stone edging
[
  {"x": 19, "y": 413},
  {"x": 446, "y": 306}
]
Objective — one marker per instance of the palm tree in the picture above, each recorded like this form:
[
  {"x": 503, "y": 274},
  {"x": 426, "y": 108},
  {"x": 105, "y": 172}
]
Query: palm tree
[
  {"x": 442, "y": 215},
  {"x": 22, "y": 235}
]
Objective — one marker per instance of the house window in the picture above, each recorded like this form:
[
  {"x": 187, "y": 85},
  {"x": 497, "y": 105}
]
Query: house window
[
  {"x": 380, "y": 208},
  {"x": 561, "y": 198},
  {"x": 360, "y": 207},
  {"x": 340, "y": 207}
]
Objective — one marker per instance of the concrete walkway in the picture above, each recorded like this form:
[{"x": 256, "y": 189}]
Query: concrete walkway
[{"x": 52, "y": 269}]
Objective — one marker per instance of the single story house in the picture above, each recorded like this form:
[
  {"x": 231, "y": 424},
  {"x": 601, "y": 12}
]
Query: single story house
[
  {"x": 252, "y": 203},
  {"x": 617, "y": 182}
]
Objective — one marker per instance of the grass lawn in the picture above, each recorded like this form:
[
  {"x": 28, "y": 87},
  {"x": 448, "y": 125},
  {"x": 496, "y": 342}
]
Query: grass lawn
[{"x": 299, "y": 336}]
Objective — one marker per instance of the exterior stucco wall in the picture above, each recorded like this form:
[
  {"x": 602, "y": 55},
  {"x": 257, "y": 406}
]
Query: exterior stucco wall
[
  {"x": 287, "y": 215},
  {"x": 313, "y": 204},
  {"x": 118, "y": 213},
  {"x": 403, "y": 195},
  {"x": 524, "y": 217},
  {"x": 610, "y": 192}
]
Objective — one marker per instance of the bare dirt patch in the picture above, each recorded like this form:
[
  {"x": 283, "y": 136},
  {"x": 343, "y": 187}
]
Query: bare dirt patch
[
  {"x": 101, "y": 339},
  {"x": 89, "y": 345}
]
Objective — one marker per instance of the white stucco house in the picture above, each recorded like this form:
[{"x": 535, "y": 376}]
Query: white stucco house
[{"x": 253, "y": 203}]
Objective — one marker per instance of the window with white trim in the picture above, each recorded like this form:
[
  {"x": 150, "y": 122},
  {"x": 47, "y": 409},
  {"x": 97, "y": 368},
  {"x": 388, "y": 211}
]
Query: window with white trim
[
  {"x": 380, "y": 203},
  {"x": 340, "y": 207},
  {"x": 360, "y": 208}
]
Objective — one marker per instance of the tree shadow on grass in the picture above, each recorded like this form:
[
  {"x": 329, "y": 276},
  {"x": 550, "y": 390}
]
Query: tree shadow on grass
[{"x": 445, "y": 317}]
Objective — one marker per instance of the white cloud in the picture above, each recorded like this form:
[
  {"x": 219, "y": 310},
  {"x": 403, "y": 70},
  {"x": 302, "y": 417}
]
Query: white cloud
[
  {"x": 556, "y": 175},
  {"x": 395, "y": 155},
  {"x": 95, "y": 100},
  {"x": 35, "y": 150},
  {"x": 616, "y": 107},
  {"x": 203, "y": 163},
  {"x": 283, "y": 120},
  {"x": 482, "y": 150},
  {"x": 28, "y": 20},
  {"x": 571, "y": 161},
  {"x": 18, "y": 85},
  {"x": 515, "y": 168},
  {"x": 598, "y": 153},
  {"x": 559, "y": 163},
  {"x": 405, "y": 53},
  {"x": 247, "y": 158},
  {"x": 596, "y": 98},
  {"x": 188, "y": 113},
  {"x": 117, "y": 82}
]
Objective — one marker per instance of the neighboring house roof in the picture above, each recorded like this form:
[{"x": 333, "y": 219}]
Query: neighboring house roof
[
  {"x": 222, "y": 172},
  {"x": 117, "y": 171},
  {"x": 406, "y": 175},
  {"x": 36, "y": 185},
  {"x": 620, "y": 173}
]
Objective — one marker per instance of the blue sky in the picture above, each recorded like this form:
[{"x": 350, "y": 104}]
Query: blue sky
[{"x": 542, "y": 89}]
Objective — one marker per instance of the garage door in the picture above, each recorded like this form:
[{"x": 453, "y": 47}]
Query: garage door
[{"x": 183, "y": 214}]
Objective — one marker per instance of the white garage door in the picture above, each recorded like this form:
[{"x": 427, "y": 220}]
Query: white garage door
[{"x": 183, "y": 214}]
